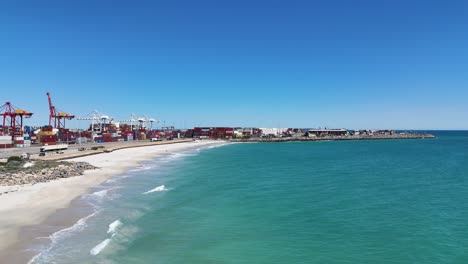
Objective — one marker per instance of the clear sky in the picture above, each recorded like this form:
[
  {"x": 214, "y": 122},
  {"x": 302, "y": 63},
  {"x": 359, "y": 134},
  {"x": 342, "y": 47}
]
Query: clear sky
[{"x": 350, "y": 63}]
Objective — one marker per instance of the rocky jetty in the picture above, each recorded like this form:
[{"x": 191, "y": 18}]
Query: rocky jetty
[
  {"x": 337, "y": 138},
  {"x": 17, "y": 172}
]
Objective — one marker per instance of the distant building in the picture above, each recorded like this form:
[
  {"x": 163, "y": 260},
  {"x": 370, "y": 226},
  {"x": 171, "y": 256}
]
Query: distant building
[
  {"x": 327, "y": 132},
  {"x": 273, "y": 131}
]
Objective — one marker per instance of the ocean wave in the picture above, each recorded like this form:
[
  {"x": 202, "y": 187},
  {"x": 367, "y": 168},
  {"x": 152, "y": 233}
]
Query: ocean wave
[
  {"x": 112, "y": 230},
  {"x": 157, "y": 189},
  {"x": 179, "y": 155},
  {"x": 101, "y": 193},
  {"x": 78, "y": 226},
  {"x": 99, "y": 247},
  {"x": 57, "y": 236},
  {"x": 113, "y": 226},
  {"x": 122, "y": 239},
  {"x": 217, "y": 146},
  {"x": 117, "y": 178},
  {"x": 142, "y": 168},
  {"x": 96, "y": 198}
]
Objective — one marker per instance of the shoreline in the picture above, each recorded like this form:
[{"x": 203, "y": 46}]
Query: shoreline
[{"x": 26, "y": 206}]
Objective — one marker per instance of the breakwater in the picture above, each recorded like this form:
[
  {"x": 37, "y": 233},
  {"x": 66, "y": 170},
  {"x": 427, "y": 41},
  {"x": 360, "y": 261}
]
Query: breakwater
[
  {"x": 32, "y": 172},
  {"x": 325, "y": 138}
]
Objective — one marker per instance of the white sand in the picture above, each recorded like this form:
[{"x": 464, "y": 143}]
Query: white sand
[{"x": 32, "y": 204}]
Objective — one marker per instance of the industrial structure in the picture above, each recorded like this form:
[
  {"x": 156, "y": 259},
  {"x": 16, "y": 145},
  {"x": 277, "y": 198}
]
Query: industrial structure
[
  {"x": 12, "y": 125},
  {"x": 98, "y": 121},
  {"x": 57, "y": 118},
  {"x": 103, "y": 128}
]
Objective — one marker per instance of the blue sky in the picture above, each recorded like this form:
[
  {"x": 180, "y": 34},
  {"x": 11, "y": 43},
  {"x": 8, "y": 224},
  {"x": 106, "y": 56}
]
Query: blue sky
[{"x": 354, "y": 64}]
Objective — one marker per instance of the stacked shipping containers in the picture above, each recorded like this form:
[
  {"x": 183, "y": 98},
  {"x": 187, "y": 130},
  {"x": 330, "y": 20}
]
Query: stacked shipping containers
[
  {"x": 48, "y": 140},
  {"x": 229, "y": 132},
  {"x": 27, "y": 140},
  {"x": 5, "y": 142},
  {"x": 19, "y": 141},
  {"x": 46, "y": 136}
]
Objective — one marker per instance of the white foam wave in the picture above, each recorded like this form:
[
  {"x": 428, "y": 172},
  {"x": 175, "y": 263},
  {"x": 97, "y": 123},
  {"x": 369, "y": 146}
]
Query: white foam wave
[
  {"x": 142, "y": 168},
  {"x": 80, "y": 225},
  {"x": 218, "y": 145},
  {"x": 117, "y": 178},
  {"x": 101, "y": 193},
  {"x": 157, "y": 189},
  {"x": 96, "y": 199},
  {"x": 113, "y": 226},
  {"x": 55, "y": 237},
  {"x": 99, "y": 247},
  {"x": 179, "y": 155}
]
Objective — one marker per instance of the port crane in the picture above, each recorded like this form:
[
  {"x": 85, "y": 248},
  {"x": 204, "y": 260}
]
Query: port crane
[
  {"x": 97, "y": 119},
  {"x": 13, "y": 120},
  {"x": 143, "y": 120},
  {"x": 57, "y": 117},
  {"x": 150, "y": 120},
  {"x": 133, "y": 119}
]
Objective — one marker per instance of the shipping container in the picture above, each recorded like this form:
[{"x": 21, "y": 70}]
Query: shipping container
[
  {"x": 5, "y": 137},
  {"x": 3, "y": 146}
]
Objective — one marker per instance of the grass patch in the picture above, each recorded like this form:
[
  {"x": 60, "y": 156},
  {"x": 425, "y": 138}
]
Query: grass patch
[
  {"x": 96, "y": 148},
  {"x": 14, "y": 158}
]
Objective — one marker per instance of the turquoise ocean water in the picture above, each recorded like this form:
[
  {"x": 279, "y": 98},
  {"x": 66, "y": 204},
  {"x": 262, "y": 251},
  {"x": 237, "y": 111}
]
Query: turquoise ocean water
[{"x": 396, "y": 201}]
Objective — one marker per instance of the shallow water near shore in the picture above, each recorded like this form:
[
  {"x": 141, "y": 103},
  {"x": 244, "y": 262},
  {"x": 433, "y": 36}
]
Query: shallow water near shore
[{"x": 399, "y": 201}]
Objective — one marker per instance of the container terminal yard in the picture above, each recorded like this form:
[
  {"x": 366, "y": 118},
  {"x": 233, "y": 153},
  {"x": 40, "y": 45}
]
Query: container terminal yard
[{"x": 52, "y": 141}]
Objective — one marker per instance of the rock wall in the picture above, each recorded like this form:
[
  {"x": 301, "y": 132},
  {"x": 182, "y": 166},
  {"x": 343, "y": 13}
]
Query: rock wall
[{"x": 31, "y": 172}]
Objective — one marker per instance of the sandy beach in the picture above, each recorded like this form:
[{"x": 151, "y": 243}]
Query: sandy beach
[{"x": 29, "y": 205}]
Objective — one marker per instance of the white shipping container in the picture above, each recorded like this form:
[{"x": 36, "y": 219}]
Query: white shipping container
[
  {"x": 19, "y": 145},
  {"x": 27, "y": 141},
  {"x": 5, "y": 137},
  {"x": 81, "y": 140},
  {"x": 5, "y": 141},
  {"x": 19, "y": 138}
]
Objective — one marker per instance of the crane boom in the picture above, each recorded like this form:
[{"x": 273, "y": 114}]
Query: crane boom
[
  {"x": 57, "y": 117},
  {"x": 51, "y": 109}
]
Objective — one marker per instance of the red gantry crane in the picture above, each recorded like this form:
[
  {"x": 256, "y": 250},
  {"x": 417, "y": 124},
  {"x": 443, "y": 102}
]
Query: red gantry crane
[
  {"x": 57, "y": 116},
  {"x": 13, "y": 120}
]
